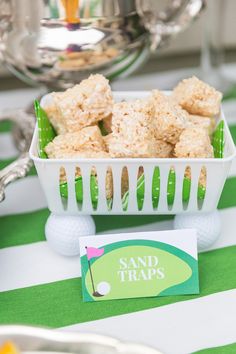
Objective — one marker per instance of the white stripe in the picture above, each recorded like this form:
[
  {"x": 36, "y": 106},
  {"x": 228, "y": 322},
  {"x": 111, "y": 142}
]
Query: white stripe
[
  {"x": 232, "y": 172},
  {"x": 178, "y": 328},
  {"x": 18, "y": 98},
  {"x": 35, "y": 263},
  {"x": 229, "y": 111},
  {"x": 22, "y": 196},
  {"x": 7, "y": 147},
  {"x": 24, "y": 266}
]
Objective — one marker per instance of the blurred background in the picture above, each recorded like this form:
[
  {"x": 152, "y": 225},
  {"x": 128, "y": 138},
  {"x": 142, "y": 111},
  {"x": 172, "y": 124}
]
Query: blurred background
[{"x": 207, "y": 48}]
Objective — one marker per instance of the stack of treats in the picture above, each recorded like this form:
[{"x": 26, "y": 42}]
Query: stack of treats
[{"x": 159, "y": 126}]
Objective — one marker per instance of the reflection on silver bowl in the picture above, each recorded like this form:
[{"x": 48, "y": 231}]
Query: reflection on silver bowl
[{"x": 60, "y": 42}]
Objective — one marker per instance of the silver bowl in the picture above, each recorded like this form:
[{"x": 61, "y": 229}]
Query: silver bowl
[
  {"x": 35, "y": 340},
  {"x": 41, "y": 44}
]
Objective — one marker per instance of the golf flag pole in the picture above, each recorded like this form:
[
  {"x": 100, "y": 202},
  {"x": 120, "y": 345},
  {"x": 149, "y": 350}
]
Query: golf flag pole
[
  {"x": 91, "y": 276},
  {"x": 93, "y": 252}
]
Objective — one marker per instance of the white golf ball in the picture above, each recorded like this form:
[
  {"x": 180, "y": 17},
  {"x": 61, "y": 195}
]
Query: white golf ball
[
  {"x": 208, "y": 226},
  {"x": 103, "y": 288},
  {"x": 63, "y": 232}
]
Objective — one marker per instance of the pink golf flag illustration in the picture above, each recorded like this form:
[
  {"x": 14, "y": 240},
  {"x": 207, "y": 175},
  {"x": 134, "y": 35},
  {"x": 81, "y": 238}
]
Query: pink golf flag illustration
[{"x": 93, "y": 252}]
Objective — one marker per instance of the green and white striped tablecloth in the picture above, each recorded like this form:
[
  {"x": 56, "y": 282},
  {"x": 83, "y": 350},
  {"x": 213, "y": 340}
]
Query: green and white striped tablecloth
[{"x": 39, "y": 287}]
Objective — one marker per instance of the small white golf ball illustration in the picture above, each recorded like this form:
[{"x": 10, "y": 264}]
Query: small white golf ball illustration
[{"x": 103, "y": 288}]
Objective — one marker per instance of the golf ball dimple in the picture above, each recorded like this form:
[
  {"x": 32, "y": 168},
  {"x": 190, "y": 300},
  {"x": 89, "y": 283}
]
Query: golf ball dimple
[{"x": 103, "y": 288}]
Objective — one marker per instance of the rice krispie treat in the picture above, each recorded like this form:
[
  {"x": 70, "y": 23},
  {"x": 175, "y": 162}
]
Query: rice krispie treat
[
  {"x": 87, "y": 143},
  {"x": 107, "y": 141},
  {"x": 55, "y": 116},
  {"x": 170, "y": 118},
  {"x": 202, "y": 177},
  {"x": 133, "y": 132},
  {"x": 197, "y": 97},
  {"x": 107, "y": 122},
  {"x": 83, "y": 105},
  {"x": 73, "y": 144},
  {"x": 194, "y": 143},
  {"x": 207, "y": 123},
  {"x": 158, "y": 148}
]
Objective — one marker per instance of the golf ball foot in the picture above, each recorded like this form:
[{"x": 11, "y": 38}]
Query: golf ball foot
[
  {"x": 208, "y": 226},
  {"x": 63, "y": 232}
]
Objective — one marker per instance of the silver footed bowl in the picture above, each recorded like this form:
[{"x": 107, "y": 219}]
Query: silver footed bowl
[
  {"x": 38, "y": 341},
  {"x": 59, "y": 42}
]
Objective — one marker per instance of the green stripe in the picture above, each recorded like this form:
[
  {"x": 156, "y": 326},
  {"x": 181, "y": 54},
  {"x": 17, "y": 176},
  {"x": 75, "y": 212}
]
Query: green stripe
[
  {"x": 112, "y": 222},
  {"x": 4, "y": 163},
  {"x": 228, "y": 196},
  {"x": 231, "y": 94},
  {"x": 232, "y": 129},
  {"x": 21, "y": 229},
  {"x": 60, "y": 303},
  {"x": 5, "y": 126},
  {"x": 226, "y": 349}
]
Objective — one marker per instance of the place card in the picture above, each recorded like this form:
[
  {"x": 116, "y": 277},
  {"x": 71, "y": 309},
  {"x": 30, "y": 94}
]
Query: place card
[{"x": 144, "y": 264}]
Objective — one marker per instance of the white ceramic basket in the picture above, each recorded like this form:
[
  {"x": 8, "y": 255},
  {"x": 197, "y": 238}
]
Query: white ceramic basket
[{"x": 49, "y": 170}]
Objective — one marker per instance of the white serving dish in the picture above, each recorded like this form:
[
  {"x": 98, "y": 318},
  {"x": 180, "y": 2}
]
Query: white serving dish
[{"x": 49, "y": 169}]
